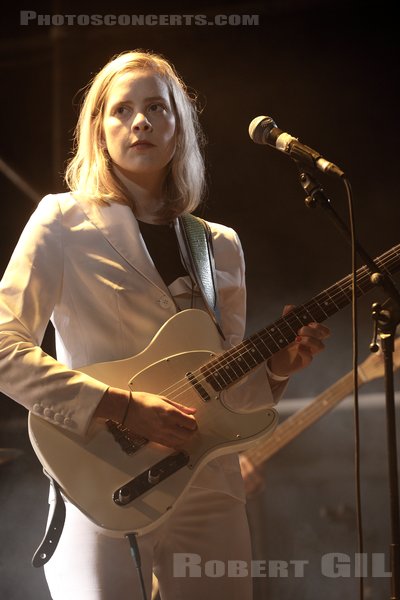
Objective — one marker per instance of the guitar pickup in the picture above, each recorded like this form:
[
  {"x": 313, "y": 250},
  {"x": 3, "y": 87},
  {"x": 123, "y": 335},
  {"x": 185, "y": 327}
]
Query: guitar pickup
[
  {"x": 150, "y": 478},
  {"x": 197, "y": 386}
]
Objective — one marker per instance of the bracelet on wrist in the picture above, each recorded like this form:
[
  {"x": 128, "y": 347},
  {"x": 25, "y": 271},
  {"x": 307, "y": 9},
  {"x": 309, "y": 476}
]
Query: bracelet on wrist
[
  {"x": 274, "y": 376},
  {"x": 126, "y": 409}
]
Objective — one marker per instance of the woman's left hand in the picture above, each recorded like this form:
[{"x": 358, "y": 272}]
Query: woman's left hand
[{"x": 299, "y": 354}]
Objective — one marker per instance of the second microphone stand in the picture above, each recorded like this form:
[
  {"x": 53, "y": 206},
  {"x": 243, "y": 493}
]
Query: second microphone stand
[{"x": 386, "y": 320}]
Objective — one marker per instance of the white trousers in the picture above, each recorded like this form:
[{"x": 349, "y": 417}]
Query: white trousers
[{"x": 206, "y": 526}]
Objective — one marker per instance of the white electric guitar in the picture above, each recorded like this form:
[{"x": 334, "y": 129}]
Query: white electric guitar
[{"x": 127, "y": 484}]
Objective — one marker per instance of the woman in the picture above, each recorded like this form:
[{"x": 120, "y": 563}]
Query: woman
[{"x": 102, "y": 261}]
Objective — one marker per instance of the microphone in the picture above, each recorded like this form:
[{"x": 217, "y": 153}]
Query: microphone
[{"x": 263, "y": 130}]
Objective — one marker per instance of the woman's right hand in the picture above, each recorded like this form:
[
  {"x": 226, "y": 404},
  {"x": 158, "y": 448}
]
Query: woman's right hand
[{"x": 150, "y": 416}]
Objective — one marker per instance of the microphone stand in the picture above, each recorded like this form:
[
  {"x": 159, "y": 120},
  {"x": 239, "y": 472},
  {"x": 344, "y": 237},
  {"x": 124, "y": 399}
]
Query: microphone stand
[{"x": 385, "y": 323}]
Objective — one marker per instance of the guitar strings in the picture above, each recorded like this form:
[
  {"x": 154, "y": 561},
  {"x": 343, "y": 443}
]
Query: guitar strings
[
  {"x": 238, "y": 352},
  {"x": 181, "y": 386}
]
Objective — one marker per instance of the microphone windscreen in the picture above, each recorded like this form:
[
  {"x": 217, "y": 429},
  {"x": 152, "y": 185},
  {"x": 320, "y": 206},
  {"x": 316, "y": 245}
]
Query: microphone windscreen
[{"x": 260, "y": 128}]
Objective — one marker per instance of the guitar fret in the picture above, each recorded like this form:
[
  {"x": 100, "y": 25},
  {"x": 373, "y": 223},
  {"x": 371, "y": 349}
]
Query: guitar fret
[
  {"x": 317, "y": 312},
  {"x": 223, "y": 376},
  {"x": 348, "y": 292},
  {"x": 335, "y": 300},
  {"x": 287, "y": 331},
  {"x": 226, "y": 374},
  {"x": 212, "y": 375},
  {"x": 241, "y": 364},
  {"x": 216, "y": 380},
  {"x": 292, "y": 331},
  {"x": 325, "y": 310},
  {"x": 306, "y": 317},
  {"x": 248, "y": 366},
  {"x": 325, "y": 303},
  {"x": 264, "y": 345},
  {"x": 235, "y": 367},
  {"x": 301, "y": 320},
  {"x": 277, "y": 335},
  {"x": 257, "y": 354},
  {"x": 238, "y": 360},
  {"x": 217, "y": 370},
  {"x": 365, "y": 283},
  {"x": 270, "y": 332}
]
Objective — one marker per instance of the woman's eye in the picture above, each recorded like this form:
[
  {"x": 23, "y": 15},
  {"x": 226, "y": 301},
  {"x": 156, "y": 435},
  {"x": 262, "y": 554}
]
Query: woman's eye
[
  {"x": 121, "y": 110},
  {"x": 156, "y": 107}
]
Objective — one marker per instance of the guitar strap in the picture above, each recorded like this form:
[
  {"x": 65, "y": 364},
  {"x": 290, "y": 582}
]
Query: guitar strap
[
  {"x": 195, "y": 242},
  {"x": 54, "y": 528}
]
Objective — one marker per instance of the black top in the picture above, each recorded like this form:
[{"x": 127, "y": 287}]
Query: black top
[{"x": 162, "y": 245}]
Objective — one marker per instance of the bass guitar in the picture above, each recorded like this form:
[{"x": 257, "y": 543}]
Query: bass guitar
[{"x": 371, "y": 368}]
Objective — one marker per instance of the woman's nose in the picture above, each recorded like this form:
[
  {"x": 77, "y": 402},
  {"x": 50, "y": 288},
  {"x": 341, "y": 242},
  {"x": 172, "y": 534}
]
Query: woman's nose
[{"x": 141, "y": 122}]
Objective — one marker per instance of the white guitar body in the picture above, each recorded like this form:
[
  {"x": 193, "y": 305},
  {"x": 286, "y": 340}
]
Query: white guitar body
[{"x": 128, "y": 492}]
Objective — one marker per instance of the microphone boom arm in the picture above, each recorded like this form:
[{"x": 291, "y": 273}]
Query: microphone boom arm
[{"x": 316, "y": 196}]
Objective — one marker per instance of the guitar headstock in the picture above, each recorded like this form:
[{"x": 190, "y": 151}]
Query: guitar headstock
[{"x": 373, "y": 366}]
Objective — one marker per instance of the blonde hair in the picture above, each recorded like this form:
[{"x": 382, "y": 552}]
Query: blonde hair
[{"x": 89, "y": 173}]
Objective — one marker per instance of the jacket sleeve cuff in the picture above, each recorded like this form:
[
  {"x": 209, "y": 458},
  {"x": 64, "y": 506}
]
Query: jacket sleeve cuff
[{"x": 274, "y": 376}]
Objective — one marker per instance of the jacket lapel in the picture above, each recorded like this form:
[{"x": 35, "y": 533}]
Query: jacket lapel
[{"x": 119, "y": 226}]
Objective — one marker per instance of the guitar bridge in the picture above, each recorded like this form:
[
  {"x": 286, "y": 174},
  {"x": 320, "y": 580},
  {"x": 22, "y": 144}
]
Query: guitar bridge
[
  {"x": 130, "y": 442},
  {"x": 150, "y": 478}
]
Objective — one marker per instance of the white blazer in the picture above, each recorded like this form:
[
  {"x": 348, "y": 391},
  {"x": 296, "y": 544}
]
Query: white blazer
[{"x": 87, "y": 269}]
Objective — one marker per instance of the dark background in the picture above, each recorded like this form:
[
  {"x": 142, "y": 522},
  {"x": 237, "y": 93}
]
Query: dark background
[{"x": 326, "y": 71}]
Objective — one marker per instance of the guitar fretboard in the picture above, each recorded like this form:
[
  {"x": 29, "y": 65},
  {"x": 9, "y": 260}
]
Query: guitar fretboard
[{"x": 237, "y": 362}]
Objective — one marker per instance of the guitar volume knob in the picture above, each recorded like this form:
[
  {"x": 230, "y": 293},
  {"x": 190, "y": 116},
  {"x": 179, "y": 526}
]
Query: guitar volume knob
[
  {"x": 153, "y": 478},
  {"x": 124, "y": 495}
]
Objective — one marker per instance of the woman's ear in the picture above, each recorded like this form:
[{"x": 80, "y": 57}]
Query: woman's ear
[
  {"x": 104, "y": 150},
  {"x": 103, "y": 147}
]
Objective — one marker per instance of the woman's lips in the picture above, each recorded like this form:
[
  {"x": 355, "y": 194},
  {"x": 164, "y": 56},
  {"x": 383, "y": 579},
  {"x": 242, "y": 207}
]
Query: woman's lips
[{"x": 142, "y": 144}]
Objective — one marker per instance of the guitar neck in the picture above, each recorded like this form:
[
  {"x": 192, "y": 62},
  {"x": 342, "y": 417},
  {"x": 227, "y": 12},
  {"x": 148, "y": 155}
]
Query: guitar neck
[
  {"x": 231, "y": 366},
  {"x": 301, "y": 420}
]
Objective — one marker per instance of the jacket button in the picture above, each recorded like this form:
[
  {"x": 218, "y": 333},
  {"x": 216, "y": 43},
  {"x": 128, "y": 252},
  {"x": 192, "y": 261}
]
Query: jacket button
[
  {"x": 68, "y": 422},
  {"x": 165, "y": 302},
  {"x": 48, "y": 413},
  {"x": 37, "y": 408},
  {"x": 59, "y": 418}
]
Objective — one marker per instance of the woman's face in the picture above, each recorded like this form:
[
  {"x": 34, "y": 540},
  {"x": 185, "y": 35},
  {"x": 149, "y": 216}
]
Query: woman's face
[{"x": 139, "y": 126}]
